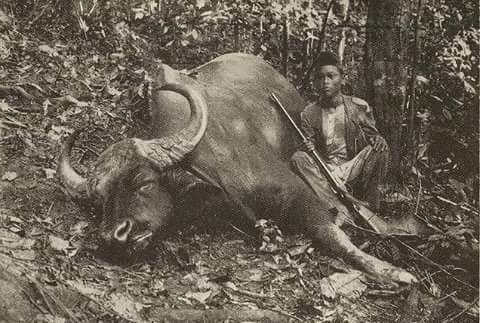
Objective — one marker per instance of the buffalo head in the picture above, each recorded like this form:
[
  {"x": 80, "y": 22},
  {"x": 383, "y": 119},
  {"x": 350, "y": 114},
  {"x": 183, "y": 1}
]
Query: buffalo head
[{"x": 128, "y": 180}]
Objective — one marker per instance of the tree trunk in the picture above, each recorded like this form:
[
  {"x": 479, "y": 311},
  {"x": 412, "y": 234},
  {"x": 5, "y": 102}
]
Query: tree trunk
[
  {"x": 411, "y": 152},
  {"x": 386, "y": 73},
  {"x": 285, "y": 50},
  {"x": 340, "y": 9},
  {"x": 236, "y": 36}
]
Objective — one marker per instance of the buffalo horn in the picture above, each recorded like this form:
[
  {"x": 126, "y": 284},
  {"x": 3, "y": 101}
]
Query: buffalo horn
[
  {"x": 167, "y": 151},
  {"x": 74, "y": 183}
]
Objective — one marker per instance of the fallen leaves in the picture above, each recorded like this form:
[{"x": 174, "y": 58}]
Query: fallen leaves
[
  {"x": 62, "y": 245},
  {"x": 78, "y": 228},
  {"x": 49, "y": 173},
  {"x": 120, "y": 304},
  {"x": 48, "y": 50},
  {"x": 4, "y": 18},
  {"x": 469, "y": 308},
  {"x": 9, "y": 176},
  {"x": 251, "y": 275},
  {"x": 350, "y": 284},
  {"x": 111, "y": 91},
  {"x": 157, "y": 286},
  {"x": 19, "y": 247},
  {"x": 57, "y": 243},
  {"x": 271, "y": 235},
  {"x": 232, "y": 286},
  {"x": 305, "y": 247},
  {"x": 5, "y": 49},
  {"x": 200, "y": 297},
  {"x": 10, "y": 122},
  {"x": 48, "y": 318},
  {"x": 15, "y": 91},
  {"x": 4, "y": 107},
  {"x": 15, "y": 224},
  {"x": 68, "y": 99},
  {"x": 56, "y": 133}
]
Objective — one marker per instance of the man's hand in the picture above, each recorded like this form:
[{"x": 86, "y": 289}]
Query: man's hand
[
  {"x": 308, "y": 145},
  {"x": 378, "y": 143}
]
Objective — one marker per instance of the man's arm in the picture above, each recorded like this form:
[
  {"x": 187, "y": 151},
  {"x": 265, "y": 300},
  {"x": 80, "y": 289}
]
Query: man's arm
[{"x": 367, "y": 124}]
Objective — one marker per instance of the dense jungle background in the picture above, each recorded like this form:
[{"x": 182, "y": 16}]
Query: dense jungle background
[{"x": 68, "y": 64}]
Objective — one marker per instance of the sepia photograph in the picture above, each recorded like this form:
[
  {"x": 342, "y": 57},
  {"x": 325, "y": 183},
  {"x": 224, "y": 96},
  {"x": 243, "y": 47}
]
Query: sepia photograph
[{"x": 239, "y": 161}]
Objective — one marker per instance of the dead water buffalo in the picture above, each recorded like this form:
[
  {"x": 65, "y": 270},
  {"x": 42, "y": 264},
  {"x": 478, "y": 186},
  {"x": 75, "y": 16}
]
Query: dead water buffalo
[{"x": 214, "y": 127}]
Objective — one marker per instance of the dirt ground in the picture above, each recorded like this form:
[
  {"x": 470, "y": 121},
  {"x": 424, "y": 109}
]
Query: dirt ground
[{"x": 52, "y": 272}]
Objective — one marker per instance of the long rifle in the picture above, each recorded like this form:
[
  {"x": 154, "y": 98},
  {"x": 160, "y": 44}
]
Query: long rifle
[{"x": 353, "y": 205}]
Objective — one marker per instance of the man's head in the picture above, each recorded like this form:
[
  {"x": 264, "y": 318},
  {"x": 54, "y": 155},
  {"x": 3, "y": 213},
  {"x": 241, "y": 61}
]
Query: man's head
[{"x": 328, "y": 75}]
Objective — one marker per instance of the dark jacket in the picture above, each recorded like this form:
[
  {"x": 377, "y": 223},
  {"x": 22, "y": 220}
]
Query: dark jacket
[{"x": 359, "y": 125}]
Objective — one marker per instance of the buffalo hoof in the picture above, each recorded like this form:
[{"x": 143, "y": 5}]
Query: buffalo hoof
[{"x": 386, "y": 273}]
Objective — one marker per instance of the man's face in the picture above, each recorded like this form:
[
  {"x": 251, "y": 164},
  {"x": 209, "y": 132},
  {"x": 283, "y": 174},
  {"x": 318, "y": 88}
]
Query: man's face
[{"x": 329, "y": 81}]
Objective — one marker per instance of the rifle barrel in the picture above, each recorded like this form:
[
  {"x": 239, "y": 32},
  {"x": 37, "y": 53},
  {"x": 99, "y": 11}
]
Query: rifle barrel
[{"x": 287, "y": 115}]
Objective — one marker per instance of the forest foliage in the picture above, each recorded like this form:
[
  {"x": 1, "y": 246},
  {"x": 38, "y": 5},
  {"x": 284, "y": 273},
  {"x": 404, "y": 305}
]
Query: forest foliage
[{"x": 187, "y": 33}]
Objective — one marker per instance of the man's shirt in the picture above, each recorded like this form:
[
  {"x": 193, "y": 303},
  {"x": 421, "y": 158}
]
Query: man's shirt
[
  {"x": 358, "y": 125},
  {"x": 338, "y": 134},
  {"x": 334, "y": 134}
]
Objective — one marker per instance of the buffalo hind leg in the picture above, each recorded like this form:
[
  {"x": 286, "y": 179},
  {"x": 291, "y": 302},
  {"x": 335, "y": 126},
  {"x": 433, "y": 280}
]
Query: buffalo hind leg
[
  {"x": 332, "y": 237},
  {"x": 319, "y": 223}
]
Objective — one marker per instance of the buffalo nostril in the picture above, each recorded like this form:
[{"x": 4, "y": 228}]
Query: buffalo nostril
[{"x": 122, "y": 231}]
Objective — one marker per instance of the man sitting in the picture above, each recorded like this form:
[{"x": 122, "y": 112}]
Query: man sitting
[{"x": 342, "y": 129}]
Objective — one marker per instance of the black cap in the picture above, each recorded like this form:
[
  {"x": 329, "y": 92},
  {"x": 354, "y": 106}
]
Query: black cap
[{"x": 327, "y": 58}]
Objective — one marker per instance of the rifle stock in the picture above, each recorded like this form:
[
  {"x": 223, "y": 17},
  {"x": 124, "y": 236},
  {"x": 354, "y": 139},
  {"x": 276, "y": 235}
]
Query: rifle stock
[{"x": 355, "y": 206}]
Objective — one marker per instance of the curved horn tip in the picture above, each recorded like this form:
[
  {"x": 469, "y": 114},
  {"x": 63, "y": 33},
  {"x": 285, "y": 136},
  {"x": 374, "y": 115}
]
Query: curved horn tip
[{"x": 74, "y": 183}]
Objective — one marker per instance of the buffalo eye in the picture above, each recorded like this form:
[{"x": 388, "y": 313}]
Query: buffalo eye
[{"x": 145, "y": 188}]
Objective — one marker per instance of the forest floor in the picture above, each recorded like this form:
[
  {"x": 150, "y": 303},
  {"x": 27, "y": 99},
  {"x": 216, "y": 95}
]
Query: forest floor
[{"x": 52, "y": 272}]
